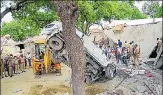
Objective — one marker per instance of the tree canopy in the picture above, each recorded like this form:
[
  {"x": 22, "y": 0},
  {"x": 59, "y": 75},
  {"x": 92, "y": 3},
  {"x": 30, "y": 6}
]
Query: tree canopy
[
  {"x": 152, "y": 9},
  {"x": 19, "y": 30},
  {"x": 41, "y": 12}
]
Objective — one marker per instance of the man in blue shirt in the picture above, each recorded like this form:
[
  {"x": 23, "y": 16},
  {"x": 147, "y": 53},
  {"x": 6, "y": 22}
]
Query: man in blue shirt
[{"x": 119, "y": 43}]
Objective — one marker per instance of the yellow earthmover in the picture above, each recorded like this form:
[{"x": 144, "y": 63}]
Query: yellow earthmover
[{"x": 42, "y": 61}]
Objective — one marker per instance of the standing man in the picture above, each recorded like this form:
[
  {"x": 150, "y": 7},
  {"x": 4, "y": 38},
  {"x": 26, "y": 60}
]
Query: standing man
[
  {"x": 6, "y": 66},
  {"x": 136, "y": 54},
  {"x": 13, "y": 60},
  {"x": 120, "y": 44},
  {"x": 94, "y": 40},
  {"x": 124, "y": 56},
  {"x": 159, "y": 43},
  {"x": 108, "y": 52},
  {"x": 100, "y": 45},
  {"x": 103, "y": 49},
  {"x": 29, "y": 59},
  {"x": 130, "y": 52},
  {"x": 117, "y": 53},
  {"x": 126, "y": 45},
  {"x": 2, "y": 67},
  {"x": 22, "y": 59},
  {"x": 25, "y": 59},
  {"x": 16, "y": 63},
  {"x": 10, "y": 63}
]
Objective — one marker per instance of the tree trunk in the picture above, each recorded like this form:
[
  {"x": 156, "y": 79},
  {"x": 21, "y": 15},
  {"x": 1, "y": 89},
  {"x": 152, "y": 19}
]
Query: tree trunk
[
  {"x": 98, "y": 22},
  {"x": 102, "y": 27},
  {"x": 82, "y": 27},
  {"x": 67, "y": 12},
  {"x": 86, "y": 28}
]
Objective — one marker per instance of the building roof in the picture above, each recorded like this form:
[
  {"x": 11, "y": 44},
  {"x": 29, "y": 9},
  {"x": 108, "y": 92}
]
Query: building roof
[{"x": 118, "y": 28}]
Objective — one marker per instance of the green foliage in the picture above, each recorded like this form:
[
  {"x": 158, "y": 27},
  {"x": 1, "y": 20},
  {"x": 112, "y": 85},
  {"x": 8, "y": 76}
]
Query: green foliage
[
  {"x": 108, "y": 10},
  {"x": 40, "y": 13},
  {"x": 86, "y": 15},
  {"x": 137, "y": 14},
  {"x": 19, "y": 30},
  {"x": 124, "y": 11},
  {"x": 152, "y": 9},
  {"x": 157, "y": 10},
  {"x": 34, "y": 15}
]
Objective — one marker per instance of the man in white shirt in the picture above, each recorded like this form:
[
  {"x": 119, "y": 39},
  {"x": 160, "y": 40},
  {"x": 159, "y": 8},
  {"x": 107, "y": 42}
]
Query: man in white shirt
[
  {"x": 108, "y": 51},
  {"x": 29, "y": 59},
  {"x": 126, "y": 45},
  {"x": 159, "y": 43}
]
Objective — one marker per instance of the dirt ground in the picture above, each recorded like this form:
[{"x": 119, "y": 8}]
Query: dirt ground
[{"x": 49, "y": 84}]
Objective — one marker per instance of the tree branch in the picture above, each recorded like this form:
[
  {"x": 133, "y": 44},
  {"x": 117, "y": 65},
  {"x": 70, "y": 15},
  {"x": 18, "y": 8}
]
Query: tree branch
[
  {"x": 7, "y": 10},
  {"x": 17, "y": 7}
]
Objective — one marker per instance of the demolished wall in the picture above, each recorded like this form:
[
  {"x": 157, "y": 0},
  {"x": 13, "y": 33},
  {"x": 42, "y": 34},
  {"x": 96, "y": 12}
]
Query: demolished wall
[{"x": 144, "y": 35}]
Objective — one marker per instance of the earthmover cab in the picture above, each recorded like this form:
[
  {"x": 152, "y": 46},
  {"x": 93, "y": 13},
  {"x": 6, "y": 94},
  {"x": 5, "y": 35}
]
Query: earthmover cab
[{"x": 42, "y": 61}]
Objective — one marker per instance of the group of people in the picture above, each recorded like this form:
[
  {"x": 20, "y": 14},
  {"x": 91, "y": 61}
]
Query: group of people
[
  {"x": 123, "y": 53},
  {"x": 12, "y": 65}
]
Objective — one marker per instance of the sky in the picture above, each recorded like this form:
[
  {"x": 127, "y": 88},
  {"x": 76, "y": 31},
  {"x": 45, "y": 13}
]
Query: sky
[{"x": 8, "y": 17}]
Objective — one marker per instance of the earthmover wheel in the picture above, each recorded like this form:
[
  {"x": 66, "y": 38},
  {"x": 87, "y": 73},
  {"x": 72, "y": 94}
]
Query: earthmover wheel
[{"x": 55, "y": 43}]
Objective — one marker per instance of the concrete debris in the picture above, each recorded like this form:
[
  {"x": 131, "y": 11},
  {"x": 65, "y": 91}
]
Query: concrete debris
[
  {"x": 131, "y": 80},
  {"x": 116, "y": 92},
  {"x": 139, "y": 76},
  {"x": 137, "y": 72},
  {"x": 108, "y": 93},
  {"x": 141, "y": 88},
  {"x": 148, "y": 74},
  {"x": 16, "y": 91},
  {"x": 67, "y": 93}
]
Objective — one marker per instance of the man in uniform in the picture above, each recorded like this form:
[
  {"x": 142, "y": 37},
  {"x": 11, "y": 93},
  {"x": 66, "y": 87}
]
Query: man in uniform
[
  {"x": 131, "y": 51},
  {"x": 16, "y": 63},
  {"x": 2, "y": 67},
  {"x": 136, "y": 54},
  {"x": 10, "y": 63},
  {"x": 6, "y": 66},
  {"x": 22, "y": 59}
]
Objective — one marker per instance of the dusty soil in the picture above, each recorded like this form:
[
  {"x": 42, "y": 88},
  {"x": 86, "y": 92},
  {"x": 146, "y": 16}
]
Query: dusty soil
[{"x": 48, "y": 84}]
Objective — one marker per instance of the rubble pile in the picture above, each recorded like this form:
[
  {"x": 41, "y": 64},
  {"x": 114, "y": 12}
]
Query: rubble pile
[
  {"x": 116, "y": 92},
  {"x": 139, "y": 81}
]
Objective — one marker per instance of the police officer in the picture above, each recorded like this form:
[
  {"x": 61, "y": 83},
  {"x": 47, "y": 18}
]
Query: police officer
[
  {"x": 6, "y": 67},
  {"x": 16, "y": 63},
  {"x": 22, "y": 59},
  {"x": 2, "y": 67},
  {"x": 10, "y": 63}
]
